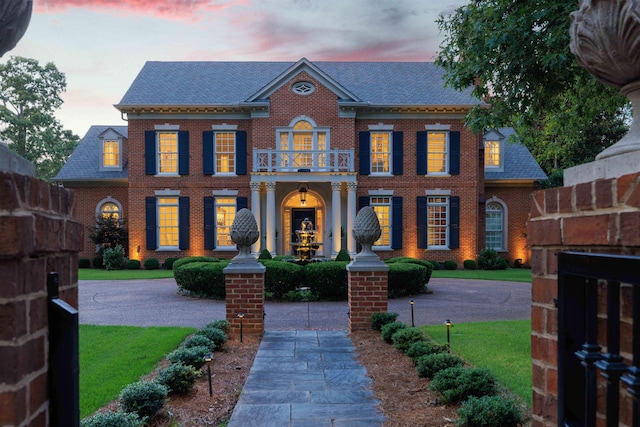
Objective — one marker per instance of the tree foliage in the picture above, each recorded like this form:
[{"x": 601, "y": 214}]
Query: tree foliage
[
  {"x": 515, "y": 54},
  {"x": 29, "y": 96},
  {"x": 108, "y": 232}
]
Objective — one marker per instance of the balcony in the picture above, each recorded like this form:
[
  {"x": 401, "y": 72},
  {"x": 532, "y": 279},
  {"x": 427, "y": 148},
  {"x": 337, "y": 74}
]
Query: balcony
[{"x": 303, "y": 161}]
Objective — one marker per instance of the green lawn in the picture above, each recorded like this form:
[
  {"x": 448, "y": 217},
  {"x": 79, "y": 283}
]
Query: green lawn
[
  {"x": 509, "y": 275},
  {"x": 98, "y": 274},
  {"x": 503, "y": 347},
  {"x": 112, "y": 357}
]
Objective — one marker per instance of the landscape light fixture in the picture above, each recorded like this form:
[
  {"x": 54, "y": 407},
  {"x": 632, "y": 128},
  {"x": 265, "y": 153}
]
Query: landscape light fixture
[
  {"x": 207, "y": 359},
  {"x": 448, "y": 325},
  {"x": 303, "y": 188},
  {"x": 413, "y": 325},
  {"x": 240, "y": 316}
]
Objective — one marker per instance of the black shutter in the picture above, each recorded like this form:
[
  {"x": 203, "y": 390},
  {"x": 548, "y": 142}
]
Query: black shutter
[
  {"x": 454, "y": 222},
  {"x": 207, "y": 152},
  {"x": 364, "y": 153},
  {"x": 241, "y": 153},
  {"x": 421, "y": 153},
  {"x": 421, "y": 221},
  {"x": 241, "y": 203},
  {"x": 397, "y": 153},
  {"x": 454, "y": 153},
  {"x": 209, "y": 224},
  {"x": 150, "y": 152},
  {"x": 396, "y": 226},
  {"x": 363, "y": 201},
  {"x": 151, "y": 223},
  {"x": 183, "y": 152},
  {"x": 184, "y": 225}
]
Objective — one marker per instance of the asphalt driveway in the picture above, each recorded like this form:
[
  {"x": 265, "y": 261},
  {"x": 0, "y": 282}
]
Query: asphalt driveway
[{"x": 156, "y": 303}]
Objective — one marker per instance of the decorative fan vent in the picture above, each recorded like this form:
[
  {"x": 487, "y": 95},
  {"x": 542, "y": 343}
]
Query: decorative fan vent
[{"x": 303, "y": 88}]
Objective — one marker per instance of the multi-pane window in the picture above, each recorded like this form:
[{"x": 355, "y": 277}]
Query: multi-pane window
[
  {"x": 380, "y": 152},
  {"x": 111, "y": 153},
  {"x": 225, "y": 152},
  {"x": 167, "y": 152},
  {"x": 110, "y": 209},
  {"x": 494, "y": 229},
  {"x": 437, "y": 152},
  {"x": 225, "y": 214},
  {"x": 437, "y": 221},
  {"x": 382, "y": 207},
  {"x": 168, "y": 223},
  {"x": 303, "y": 146},
  {"x": 492, "y": 154}
]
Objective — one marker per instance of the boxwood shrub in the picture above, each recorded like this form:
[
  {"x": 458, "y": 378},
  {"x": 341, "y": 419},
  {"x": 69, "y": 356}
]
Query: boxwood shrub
[
  {"x": 469, "y": 264},
  {"x": 84, "y": 263},
  {"x": 223, "y": 325},
  {"x": 265, "y": 254},
  {"x": 327, "y": 279},
  {"x": 406, "y": 279},
  {"x": 187, "y": 260},
  {"x": 403, "y": 338},
  {"x": 113, "y": 419},
  {"x": 343, "y": 255},
  {"x": 389, "y": 329},
  {"x": 490, "y": 260},
  {"x": 457, "y": 383},
  {"x": 97, "y": 262},
  {"x": 429, "y": 365},
  {"x": 133, "y": 264},
  {"x": 151, "y": 264},
  {"x": 198, "y": 341},
  {"x": 378, "y": 320},
  {"x": 178, "y": 378},
  {"x": 168, "y": 263},
  {"x": 422, "y": 348},
  {"x": 217, "y": 336},
  {"x": 203, "y": 279},
  {"x": 281, "y": 277},
  {"x": 490, "y": 411},
  {"x": 192, "y": 356},
  {"x": 145, "y": 398},
  {"x": 450, "y": 265}
]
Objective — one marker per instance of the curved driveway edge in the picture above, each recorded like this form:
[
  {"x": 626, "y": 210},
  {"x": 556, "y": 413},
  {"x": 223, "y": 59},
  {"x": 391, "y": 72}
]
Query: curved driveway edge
[{"x": 156, "y": 303}]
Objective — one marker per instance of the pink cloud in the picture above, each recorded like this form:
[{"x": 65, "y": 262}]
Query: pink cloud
[{"x": 167, "y": 9}]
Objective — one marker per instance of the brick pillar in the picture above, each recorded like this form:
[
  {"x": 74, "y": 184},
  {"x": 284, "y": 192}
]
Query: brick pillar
[
  {"x": 38, "y": 235},
  {"x": 244, "y": 283},
  {"x": 368, "y": 294}
]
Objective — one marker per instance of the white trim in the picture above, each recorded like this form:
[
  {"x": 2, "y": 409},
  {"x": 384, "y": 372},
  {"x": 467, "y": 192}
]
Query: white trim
[
  {"x": 225, "y": 193},
  {"x": 437, "y": 192},
  {"x": 437, "y": 126},
  {"x": 108, "y": 199},
  {"x": 380, "y": 126},
  {"x": 296, "y": 85},
  {"x": 224, "y": 126},
  {"x": 167, "y": 193},
  {"x": 505, "y": 222},
  {"x": 167, "y": 126},
  {"x": 381, "y": 192}
]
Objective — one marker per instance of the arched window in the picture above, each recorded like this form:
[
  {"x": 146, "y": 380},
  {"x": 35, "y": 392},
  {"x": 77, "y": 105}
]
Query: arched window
[
  {"x": 110, "y": 209},
  {"x": 495, "y": 226},
  {"x": 303, "y": 144}
]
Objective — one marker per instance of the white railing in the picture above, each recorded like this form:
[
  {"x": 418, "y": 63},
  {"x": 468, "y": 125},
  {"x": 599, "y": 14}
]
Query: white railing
[{"x": 295, "y": 161}]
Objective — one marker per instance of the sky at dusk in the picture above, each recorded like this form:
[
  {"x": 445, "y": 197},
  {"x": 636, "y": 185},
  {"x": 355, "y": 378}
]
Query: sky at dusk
[{"x": 101, "y": 45}]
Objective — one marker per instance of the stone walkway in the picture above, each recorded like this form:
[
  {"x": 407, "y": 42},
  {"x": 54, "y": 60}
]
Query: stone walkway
[{"x": 306, "y": 378}]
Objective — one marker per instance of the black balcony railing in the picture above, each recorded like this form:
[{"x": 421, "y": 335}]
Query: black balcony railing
[{"x": 579, "y": 354}]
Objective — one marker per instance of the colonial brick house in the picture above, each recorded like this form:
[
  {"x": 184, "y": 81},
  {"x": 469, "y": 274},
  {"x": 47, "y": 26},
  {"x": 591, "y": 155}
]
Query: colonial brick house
[{"x": 289, "y": 141}]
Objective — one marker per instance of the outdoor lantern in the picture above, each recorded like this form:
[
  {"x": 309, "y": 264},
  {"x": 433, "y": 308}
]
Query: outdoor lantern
[
  {"x": 448, "y": 325},
  {"x": 207, "y": 359},
  {"x": 302, "y": 189},
  {"x": 412, "y": 322},
  {"x": 241, "y": 316}
]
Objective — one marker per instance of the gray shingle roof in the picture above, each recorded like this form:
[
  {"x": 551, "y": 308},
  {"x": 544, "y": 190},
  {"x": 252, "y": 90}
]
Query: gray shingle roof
[
  {"x": 231, "y": 83},
  {"x": 518, "y": 162},
  {"x": 84, "y": 162}
]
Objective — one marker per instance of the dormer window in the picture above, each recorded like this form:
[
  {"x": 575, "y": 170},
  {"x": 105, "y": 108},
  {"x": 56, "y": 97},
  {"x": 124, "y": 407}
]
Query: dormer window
[
  {"x": 111, "y": 155},
  {"x": 494, "y": 151}
]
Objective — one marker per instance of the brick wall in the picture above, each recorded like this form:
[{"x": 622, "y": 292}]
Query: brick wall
[
  {"x": 599, "y": 217},
  {"x": 38, "y": 236}
]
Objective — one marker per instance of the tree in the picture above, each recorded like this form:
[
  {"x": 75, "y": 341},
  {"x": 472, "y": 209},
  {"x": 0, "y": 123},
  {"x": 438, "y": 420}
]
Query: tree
[
  {"x": 515, "y": 55},
  {"x": 29, "y": 96},
  {"x": 108, "y": 231}
]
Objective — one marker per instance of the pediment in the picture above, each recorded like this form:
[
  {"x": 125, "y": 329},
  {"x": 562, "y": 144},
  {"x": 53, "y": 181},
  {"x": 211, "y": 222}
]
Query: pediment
[
  {"x": 110, "y": 133},
  {"x": 304, "y": 65},
  {"x": 493, "y": 135}
]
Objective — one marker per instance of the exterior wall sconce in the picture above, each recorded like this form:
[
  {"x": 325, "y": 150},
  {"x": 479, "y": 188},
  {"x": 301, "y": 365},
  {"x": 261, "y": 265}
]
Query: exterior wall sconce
[{"x": 303, "y": 187}]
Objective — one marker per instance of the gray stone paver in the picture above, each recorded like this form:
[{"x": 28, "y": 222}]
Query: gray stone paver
[{"x": 306, "y": 378}]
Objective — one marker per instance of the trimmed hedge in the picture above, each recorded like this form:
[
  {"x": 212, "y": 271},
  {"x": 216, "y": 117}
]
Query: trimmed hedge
[
  {"x": 379, "y": 319},
  {"x": 469, "y": 264},
  {"x": 113, "y": 419},
  {"x": 429, "y": 365},
  {"x": 407, "y": 279},
  {"x": 404, "y": 338},
  {"x": 133, "y": 264},
  {"x": 423, "y": 348},
  {"x": 204, "y": 279},
  {"x": 183, "y": 261},
  {"x": 281, "y": 277},
  {"x": 178, "y": 378},
  {"x": 327, "y": 279},
  {"x": 490, "y": 411},
  {"x": 168, "y": 263},
  {"x": 389, "y": 329},
  {"x": 151, "y": 264},
  {"x": 145, "y": 398},
  {"x": 450, "y": 265},
  {"x": 192, "y": 356},
  {"x": 457, "y": 383},
  {"x": 343, "y": 255},
  {"x": 265, "y": 254}
]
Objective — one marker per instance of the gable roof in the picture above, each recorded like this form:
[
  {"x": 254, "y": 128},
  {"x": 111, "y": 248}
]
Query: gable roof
[
  {"x": 519, "y": 164},
  {"x": 236, "y": 83},
  {"x": 84, "y": 162}
]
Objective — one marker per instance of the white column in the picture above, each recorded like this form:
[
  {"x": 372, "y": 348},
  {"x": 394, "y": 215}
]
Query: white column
[
  {"x": 335, "y": 216},
  {"x": 270, "y": 227},
  {"x": 255, "y": 209},
  {"x": 351, "y": 216}
]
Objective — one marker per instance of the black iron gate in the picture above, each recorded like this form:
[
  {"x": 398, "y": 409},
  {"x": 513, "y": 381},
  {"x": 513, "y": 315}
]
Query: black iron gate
[{"x": 579, "y": 355}]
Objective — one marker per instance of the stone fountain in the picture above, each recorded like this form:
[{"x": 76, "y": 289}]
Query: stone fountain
[{"x": 306, "y": 245}]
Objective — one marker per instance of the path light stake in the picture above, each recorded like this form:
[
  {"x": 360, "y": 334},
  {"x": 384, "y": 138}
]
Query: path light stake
[
  {"x": 413, "y": 325},
  {"x": 241, "y": 316},
  {"x": 448, "y": 325},
  {"x": 208, "y": 358}
]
